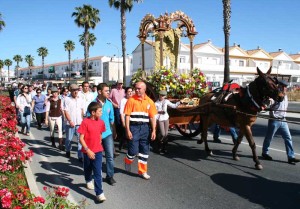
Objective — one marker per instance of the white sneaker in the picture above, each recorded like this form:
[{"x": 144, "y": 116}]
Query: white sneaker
[
  {"x": 128, "y": 167},
  {"x": 101, "y": 197},
  {"x": 90, "y": 185},
  {"x": 145, "y": 176}
]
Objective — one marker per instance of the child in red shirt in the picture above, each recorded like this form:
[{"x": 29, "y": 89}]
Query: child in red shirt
[{"x": 90, "y": 131}]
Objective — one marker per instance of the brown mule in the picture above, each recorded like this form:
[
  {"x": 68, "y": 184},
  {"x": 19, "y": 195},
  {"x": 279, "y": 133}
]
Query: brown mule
[{"x": 240, "y": 110}]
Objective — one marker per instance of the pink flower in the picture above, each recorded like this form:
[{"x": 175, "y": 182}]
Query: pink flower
[
  {"x": 6, "y": 200},
  {"x": 39, "y": 200}
]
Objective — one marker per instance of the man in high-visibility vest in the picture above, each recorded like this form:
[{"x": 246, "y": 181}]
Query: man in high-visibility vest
[{"x": 140, "y": 124}]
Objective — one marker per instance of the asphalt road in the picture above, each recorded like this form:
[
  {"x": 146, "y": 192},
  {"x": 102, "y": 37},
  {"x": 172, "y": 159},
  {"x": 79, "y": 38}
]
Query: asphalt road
[{"x": 183, "y": 178}]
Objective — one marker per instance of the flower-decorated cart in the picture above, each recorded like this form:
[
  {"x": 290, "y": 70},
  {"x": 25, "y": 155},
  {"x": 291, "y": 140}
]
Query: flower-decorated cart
[{"x": 187, "y": 88}]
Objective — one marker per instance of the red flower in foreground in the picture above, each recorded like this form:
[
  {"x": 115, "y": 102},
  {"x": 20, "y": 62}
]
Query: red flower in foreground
[
  {"x": 39, "y": 200},
  {"x": 62, "y": 191},
  {"x": 6, "y": 200}
]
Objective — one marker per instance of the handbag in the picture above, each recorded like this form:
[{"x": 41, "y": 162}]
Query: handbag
[{"x": 26, "y": 111}]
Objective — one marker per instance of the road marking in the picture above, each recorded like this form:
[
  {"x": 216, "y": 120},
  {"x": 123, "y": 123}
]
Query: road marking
[{"x": 246, "y": 143}]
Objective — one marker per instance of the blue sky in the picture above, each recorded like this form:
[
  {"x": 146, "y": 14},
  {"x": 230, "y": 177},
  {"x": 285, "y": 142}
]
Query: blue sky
[{"x": 30, "y": 24}]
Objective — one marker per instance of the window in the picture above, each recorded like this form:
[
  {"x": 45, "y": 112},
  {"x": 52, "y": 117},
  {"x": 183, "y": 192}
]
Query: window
[
  {"x": 182, "y": 60},
  {"x": 241, "y": 63},
  {"x": 200, "y": 60}
]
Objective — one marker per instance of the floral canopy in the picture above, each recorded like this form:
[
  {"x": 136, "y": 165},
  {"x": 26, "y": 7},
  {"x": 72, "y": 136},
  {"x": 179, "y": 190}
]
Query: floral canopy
[{"x": 177, "y": 85}]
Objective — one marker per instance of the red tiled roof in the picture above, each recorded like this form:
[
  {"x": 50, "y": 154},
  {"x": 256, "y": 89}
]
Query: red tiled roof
[{"x": 62, "y": 63}]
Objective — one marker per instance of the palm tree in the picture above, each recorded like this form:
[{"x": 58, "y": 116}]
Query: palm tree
[
  {"x": 91, "y": 41},
  {"x": 43, "y": 52},
  {"x": 86, "y": 17},
  {"x": 123, "y": 5},
  {"x": 1, "y": 67},
  {"x": 2, "y": 23},
  {"x": 8, "y": 63},
  {"x": 17, "y": 58},
  {"x": 226, "y": 16},
  {"x": 69, "y": 46},
  {"x": 29, "y": 59}
]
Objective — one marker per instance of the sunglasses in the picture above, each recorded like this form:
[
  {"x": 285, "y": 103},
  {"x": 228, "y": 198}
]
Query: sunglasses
[
  {"x": 38, "y": 92},
  {"x": 25, "y": 88}
]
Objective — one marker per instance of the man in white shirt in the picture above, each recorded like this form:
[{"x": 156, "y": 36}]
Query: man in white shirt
[
  {"x": 278, "y": 123},
  {"x": 73, "y": 109},
  {"x": 86, "y": 95}
]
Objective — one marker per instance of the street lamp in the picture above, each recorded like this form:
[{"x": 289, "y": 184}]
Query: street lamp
[{"x": 118, "y": 57}]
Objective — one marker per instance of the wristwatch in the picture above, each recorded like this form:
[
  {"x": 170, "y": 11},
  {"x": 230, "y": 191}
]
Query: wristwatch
[{"x": 86, "y": 148}]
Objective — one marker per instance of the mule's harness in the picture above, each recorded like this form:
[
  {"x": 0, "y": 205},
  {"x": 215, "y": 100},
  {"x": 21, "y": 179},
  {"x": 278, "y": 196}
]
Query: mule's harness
[{"x": 252, "y": 99}]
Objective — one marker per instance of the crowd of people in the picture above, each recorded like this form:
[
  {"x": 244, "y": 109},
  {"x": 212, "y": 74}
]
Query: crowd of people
[{"x": 98, "y": 115}]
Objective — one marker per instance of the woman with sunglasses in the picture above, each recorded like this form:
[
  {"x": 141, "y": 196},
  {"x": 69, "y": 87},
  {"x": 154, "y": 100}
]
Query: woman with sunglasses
[
  {"x": 39, "y": 104},
  {"x": 24, "y": 104}
]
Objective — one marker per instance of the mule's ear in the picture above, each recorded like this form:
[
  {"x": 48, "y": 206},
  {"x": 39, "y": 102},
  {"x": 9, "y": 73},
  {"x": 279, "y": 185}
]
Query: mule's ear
[
  {"x": 269, "y": 71},
  {"x": 259, "y": 72}
]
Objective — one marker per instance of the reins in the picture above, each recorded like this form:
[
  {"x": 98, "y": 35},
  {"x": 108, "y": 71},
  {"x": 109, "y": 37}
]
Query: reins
[{"x": 268, "y": 117}]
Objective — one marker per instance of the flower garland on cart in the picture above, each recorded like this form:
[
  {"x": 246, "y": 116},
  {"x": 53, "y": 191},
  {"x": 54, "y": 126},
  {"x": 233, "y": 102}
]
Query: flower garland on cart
[{"x": 178, "y": 86}]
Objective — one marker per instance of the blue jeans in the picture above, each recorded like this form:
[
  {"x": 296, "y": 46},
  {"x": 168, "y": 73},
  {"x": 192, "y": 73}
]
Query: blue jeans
[
  {"x": 282, "y": 127},
  {"x": 93, "y": 166},
  {"x": 70, "y": 132},
  {"x": 25, "y": 122},
  {"x": 108, "y": 145},
  {"x": 232, "y": 131}
]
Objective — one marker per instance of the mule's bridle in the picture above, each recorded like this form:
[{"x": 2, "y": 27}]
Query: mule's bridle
[
  {"x": 252, "y": 99},
  {"x": 259, "y": 105}
]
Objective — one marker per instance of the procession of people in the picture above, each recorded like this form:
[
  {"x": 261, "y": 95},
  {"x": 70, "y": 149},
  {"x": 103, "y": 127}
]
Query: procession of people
[{"x": 127, "y": 115}]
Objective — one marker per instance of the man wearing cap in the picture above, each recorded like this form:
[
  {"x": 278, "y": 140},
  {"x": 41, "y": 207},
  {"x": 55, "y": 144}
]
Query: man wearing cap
[
  {"x": 73, "y": 109},
  {"x": 163, "y": 121},
  {"x": 140, "y": 125},
  {"x": 116, "y": 95},
  {"x": 277, "y": 122}
]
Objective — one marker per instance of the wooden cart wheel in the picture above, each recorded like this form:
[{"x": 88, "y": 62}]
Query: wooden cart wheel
[{"x": 189, "y": 129}]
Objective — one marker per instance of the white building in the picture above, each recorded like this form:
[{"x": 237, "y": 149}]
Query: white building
[
  {"x": 113, "y": 69},
  {"x": 210, "y": 59},
  {"x": 61, "y": 70},
  {"x": 4, "y": 74}
]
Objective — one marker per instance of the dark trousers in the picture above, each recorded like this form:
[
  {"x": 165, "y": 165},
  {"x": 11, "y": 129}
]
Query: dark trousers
[
  {"x": 118, "y": 122},
  {"x": 91, "y": 167},
  {"x": 40, "y": 118}
]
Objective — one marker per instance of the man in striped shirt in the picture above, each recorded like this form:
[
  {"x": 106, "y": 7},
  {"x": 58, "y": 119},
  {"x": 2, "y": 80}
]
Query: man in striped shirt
[{"x": 140, "y": 124}]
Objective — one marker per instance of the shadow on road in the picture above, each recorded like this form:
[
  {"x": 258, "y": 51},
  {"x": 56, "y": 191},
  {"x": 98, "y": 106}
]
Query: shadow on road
[{"x": 259, "y": 190}]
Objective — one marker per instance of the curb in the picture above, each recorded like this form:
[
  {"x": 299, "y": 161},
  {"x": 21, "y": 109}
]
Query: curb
[
  {"x": 29, "y": 177},
  {"x": 30, "y": 180},
  {"x": 33, "y": 185}
]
